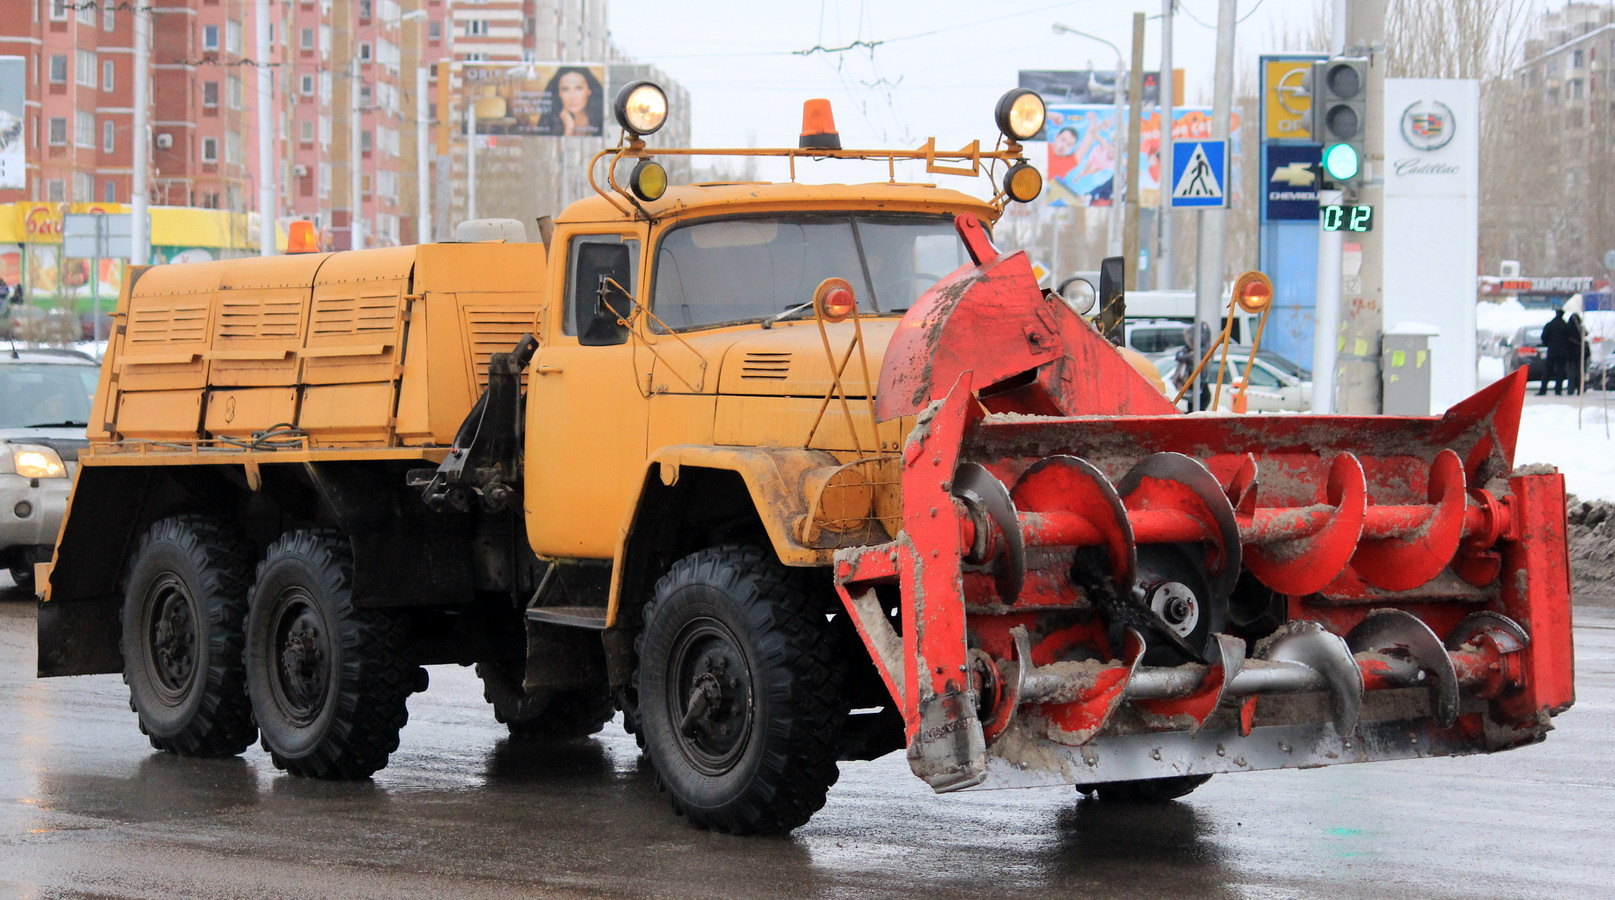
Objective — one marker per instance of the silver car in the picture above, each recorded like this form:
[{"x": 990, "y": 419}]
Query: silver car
[{"x": 45, "y": 398}]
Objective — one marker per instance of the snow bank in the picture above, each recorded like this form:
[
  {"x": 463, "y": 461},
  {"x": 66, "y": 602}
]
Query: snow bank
[{"x": 1584, "y": 452}]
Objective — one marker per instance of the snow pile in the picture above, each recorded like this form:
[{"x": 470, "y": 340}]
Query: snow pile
[
  {"x": 1592, "y": 550},
  {"x": 1584, "y": 451}
]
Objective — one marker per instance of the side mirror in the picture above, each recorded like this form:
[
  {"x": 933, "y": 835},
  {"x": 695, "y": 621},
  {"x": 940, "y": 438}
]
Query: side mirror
[
  {"x": 1112, "y": 297},
  {"x": 599, "y": 289}
]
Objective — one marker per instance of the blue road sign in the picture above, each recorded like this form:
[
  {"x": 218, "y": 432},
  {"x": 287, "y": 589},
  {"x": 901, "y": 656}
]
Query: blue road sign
[{"x": 1199, "y": 175}]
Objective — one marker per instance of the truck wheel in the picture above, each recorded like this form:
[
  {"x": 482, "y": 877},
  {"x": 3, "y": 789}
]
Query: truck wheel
[
  {"x": 185, "y": 596},
  {"x": 328, "y": 680},
  {"x": 1149, "y": 790},
  {"x": 739, "y": 691},
  {"x": 551, "y": 715}
]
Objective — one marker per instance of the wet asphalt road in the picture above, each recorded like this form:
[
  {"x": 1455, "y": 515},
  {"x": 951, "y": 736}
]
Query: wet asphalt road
[{"x": 87, "y": 809}]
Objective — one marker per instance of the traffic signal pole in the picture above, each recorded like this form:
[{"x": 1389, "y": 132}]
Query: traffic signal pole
[
  {"x": 1210, "y": 241},
  {"x": 1362, "y": 262}
]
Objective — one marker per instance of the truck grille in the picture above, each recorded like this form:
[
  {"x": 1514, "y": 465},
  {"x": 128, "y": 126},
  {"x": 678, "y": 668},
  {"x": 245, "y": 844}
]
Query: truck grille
[
  {"x": 495, "y": 329},
  {"x": 259, "y": 319},
  {"x": 168, "y": 323}
]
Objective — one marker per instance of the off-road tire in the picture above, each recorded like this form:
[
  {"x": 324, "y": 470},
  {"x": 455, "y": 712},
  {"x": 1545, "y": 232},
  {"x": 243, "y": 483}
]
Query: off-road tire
[
  {"x": 1150, "y": 790},
  {"x": 737, "y": 604},
  {"x": 23, "y": 576},
  {"x": 184, "y": 602},
  {"x": 328, "y": 680},
  {"x": 552, "y": 715}
]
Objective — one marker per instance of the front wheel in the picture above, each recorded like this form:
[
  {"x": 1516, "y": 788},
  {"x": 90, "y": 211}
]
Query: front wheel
[
  {"x": 739, "y": 691},
  {"x": 328, "y": 680}
]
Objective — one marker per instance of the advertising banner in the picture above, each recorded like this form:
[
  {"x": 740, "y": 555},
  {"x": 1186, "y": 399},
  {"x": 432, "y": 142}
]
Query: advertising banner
[
  {"x": 1291, "y": 192},
  {"x": 539, "y": 99},
  {"x": 1286, "y": 103},
  {"x": 1431, "y": 221},
  {"x": 13, "y": 151}
]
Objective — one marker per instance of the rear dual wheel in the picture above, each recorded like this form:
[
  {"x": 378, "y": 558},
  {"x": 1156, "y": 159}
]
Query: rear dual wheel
[
  {"x": 185, "y": 598},
  {"x": 328, "y": 679}
]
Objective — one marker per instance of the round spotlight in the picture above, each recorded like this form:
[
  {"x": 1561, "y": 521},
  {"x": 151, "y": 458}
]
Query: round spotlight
[
  {"x": 1023, "y": 182},
  {"x": 1020, "y": 114},
  {"x": 641, "y": 108},
  {"x": 834, "y": 300},
  {"x": 1253, "y": 291},
  {"x": 648, "y": 180}
]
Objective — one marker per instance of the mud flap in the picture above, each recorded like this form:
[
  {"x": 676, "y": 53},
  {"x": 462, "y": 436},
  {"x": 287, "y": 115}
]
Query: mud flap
[{"x": 949, "y": 752}]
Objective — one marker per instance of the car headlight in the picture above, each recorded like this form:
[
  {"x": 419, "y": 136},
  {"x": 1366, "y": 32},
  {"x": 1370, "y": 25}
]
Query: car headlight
[{"x": 34, "y": 461}]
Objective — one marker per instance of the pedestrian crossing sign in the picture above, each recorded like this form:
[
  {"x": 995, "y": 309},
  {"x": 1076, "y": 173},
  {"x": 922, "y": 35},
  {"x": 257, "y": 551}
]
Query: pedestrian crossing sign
[{"x": 1199, "y": 175}]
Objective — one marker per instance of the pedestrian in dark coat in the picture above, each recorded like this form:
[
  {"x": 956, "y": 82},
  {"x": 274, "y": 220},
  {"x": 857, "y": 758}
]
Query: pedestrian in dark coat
[
  {"x": 1560, "y": 346},
  {"x": 1578, "y": 352}
]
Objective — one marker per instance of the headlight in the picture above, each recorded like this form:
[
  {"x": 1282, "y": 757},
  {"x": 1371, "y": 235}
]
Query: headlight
[
  {"x": 34, "y": 461},
  {"x": 1020, "y": 114},
  {"x": 641, "y": 108}
]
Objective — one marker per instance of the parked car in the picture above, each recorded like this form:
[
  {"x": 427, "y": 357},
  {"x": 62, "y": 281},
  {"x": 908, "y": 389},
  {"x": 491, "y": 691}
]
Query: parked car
[
  {"x": 1277, "y": 383},
  {"x": 45, "y": 398},
  {"x": 1525, "y": 349}
]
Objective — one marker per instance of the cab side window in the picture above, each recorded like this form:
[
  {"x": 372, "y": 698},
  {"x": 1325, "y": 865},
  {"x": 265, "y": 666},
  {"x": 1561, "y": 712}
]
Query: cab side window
[{"x": 593, "y": 302}]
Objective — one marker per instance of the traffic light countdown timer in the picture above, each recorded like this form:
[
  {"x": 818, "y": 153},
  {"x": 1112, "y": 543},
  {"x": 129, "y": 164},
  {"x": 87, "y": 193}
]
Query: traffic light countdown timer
[{"x": 1337, "y": 217}]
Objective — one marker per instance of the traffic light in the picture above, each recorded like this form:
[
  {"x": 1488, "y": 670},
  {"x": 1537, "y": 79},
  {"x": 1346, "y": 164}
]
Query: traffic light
[{"x": 1339, "y": 117}]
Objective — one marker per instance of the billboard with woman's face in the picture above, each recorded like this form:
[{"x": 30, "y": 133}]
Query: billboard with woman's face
[{"x": 538, "y": 100}]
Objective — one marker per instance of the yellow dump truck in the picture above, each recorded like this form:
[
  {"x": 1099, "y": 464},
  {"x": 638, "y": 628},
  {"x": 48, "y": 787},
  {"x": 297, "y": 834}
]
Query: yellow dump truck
[{"x": 788, "y": 474}]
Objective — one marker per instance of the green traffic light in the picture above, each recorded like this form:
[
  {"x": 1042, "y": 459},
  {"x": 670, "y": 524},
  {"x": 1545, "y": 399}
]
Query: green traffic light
[{"x": 1340, "y": 162}]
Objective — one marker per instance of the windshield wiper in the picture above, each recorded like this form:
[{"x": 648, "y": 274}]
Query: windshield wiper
[
  {"x": 68, "y": 424},
  {"x": 769, "y": 323}
]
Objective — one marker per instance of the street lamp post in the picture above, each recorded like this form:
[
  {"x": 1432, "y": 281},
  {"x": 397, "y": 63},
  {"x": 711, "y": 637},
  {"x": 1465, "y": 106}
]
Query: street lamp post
[{"x": 1118, "y": 169}]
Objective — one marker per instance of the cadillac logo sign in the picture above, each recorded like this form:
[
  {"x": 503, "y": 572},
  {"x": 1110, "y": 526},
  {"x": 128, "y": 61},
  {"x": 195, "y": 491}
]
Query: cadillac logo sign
[{"x": 1427, "y": 125}]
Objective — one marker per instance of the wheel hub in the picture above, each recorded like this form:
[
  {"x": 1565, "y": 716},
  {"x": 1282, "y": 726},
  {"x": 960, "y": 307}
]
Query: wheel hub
[
  {"x": 173, "y": 638},
  {"x": 302, "y": 673},
  {"x": 1177, "y": 606},
  {"x": 709, "y": 697}
]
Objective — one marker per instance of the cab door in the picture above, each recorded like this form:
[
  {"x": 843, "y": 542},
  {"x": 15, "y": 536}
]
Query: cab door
[{"x": 587, "y": 409}]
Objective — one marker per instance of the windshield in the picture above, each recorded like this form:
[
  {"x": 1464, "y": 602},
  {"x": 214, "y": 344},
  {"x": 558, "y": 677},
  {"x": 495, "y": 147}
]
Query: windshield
[
  {"x": 34, "y": 396},
  {"x": 736, "y": 270}
]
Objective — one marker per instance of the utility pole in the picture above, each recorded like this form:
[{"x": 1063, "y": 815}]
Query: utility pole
[
  {"x": 470, "y": 159},
  {"x": 1163, "y": 262},
  {"x": 266, "y": 135},
  {"x": 140, "y": 183},
  {"x": 355, "y": 200},
  {"x": 423, "y": 194},
  {"x": 1135, "y": 107},
  {"x": 1362, "y": 282},
  {"x": 1210, "y": 244}
]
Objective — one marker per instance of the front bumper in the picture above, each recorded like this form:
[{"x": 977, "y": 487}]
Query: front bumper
[{"x": 31, "y": 510}]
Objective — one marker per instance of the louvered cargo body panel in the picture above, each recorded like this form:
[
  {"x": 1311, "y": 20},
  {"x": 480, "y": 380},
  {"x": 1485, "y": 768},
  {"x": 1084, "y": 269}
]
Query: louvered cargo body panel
[{"x": 384, "y": 348}]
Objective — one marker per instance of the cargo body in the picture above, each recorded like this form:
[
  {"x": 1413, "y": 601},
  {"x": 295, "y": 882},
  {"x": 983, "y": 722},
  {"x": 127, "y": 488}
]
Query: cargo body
[{"x": 787, "y": 475}]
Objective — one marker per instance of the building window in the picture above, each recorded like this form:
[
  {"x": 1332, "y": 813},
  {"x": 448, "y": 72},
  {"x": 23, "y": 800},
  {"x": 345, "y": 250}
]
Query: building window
[
  {"x": 56, "y": 190},
  {"x": 364, "y": 10},
  {"x": 232, "y": 147},
  {"x": 1574, "y": 86},
  {"x": 57, "y": 133},
  {"x": 232, "y": 36},
  {"x": 210, "y": 93},
  {"x": 365, "y": 96},
  {"x": 1578, "y": 59},
  {"x": 107, "y": 71},
  {"x": 366, "y": 142},
  {"x": 210, "y": 37},
  {"x": 58, "y": 68},
  {"x": 364, "y": 51},
  {"x": 210, "y": 150},
  {"x": 109, "y": 21},
  {"x": 434, "y": 30},
  {"x": 109, "y": 139},
  {"x": 86, "y": 16},
  {"x": 235, "y": 91},
  {"x": 84, "y": 129},
  {"x": 85, "y": 60},
  {"x": 306, "y": 131},
  {"x": 109, "y": 193},
  {"x": 305, "y": 85},
  {"x": 305, "y": 39},
  {"x": 58, "y": 10},
  {"x": 476, "y": 27}
]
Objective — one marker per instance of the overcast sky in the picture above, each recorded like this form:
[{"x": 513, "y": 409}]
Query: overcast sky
[{"x": 937, "y": 70}]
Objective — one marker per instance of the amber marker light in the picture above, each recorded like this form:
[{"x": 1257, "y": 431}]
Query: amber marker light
[
  {"x": 1023, "y": 182},
  {"x": 1253, "y": 291},
  {"x": 833, "y": 299},
  {"x": 300, "y": 237},
  {"x": 1020, "y": 114},
  {"x": 641, "y": 108},
  {"x": 648, "y": 180}
]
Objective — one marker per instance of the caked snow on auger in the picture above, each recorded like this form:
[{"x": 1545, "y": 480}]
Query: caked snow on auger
[{"x": 1095, "y": 588}]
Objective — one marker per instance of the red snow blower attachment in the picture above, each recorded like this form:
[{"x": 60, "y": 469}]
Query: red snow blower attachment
[{"x": 1091, "y": 587}]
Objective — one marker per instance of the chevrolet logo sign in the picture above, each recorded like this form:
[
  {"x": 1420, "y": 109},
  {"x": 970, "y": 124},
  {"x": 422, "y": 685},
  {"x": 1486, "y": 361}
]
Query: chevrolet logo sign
[{"x": 1296, "y": 174}]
